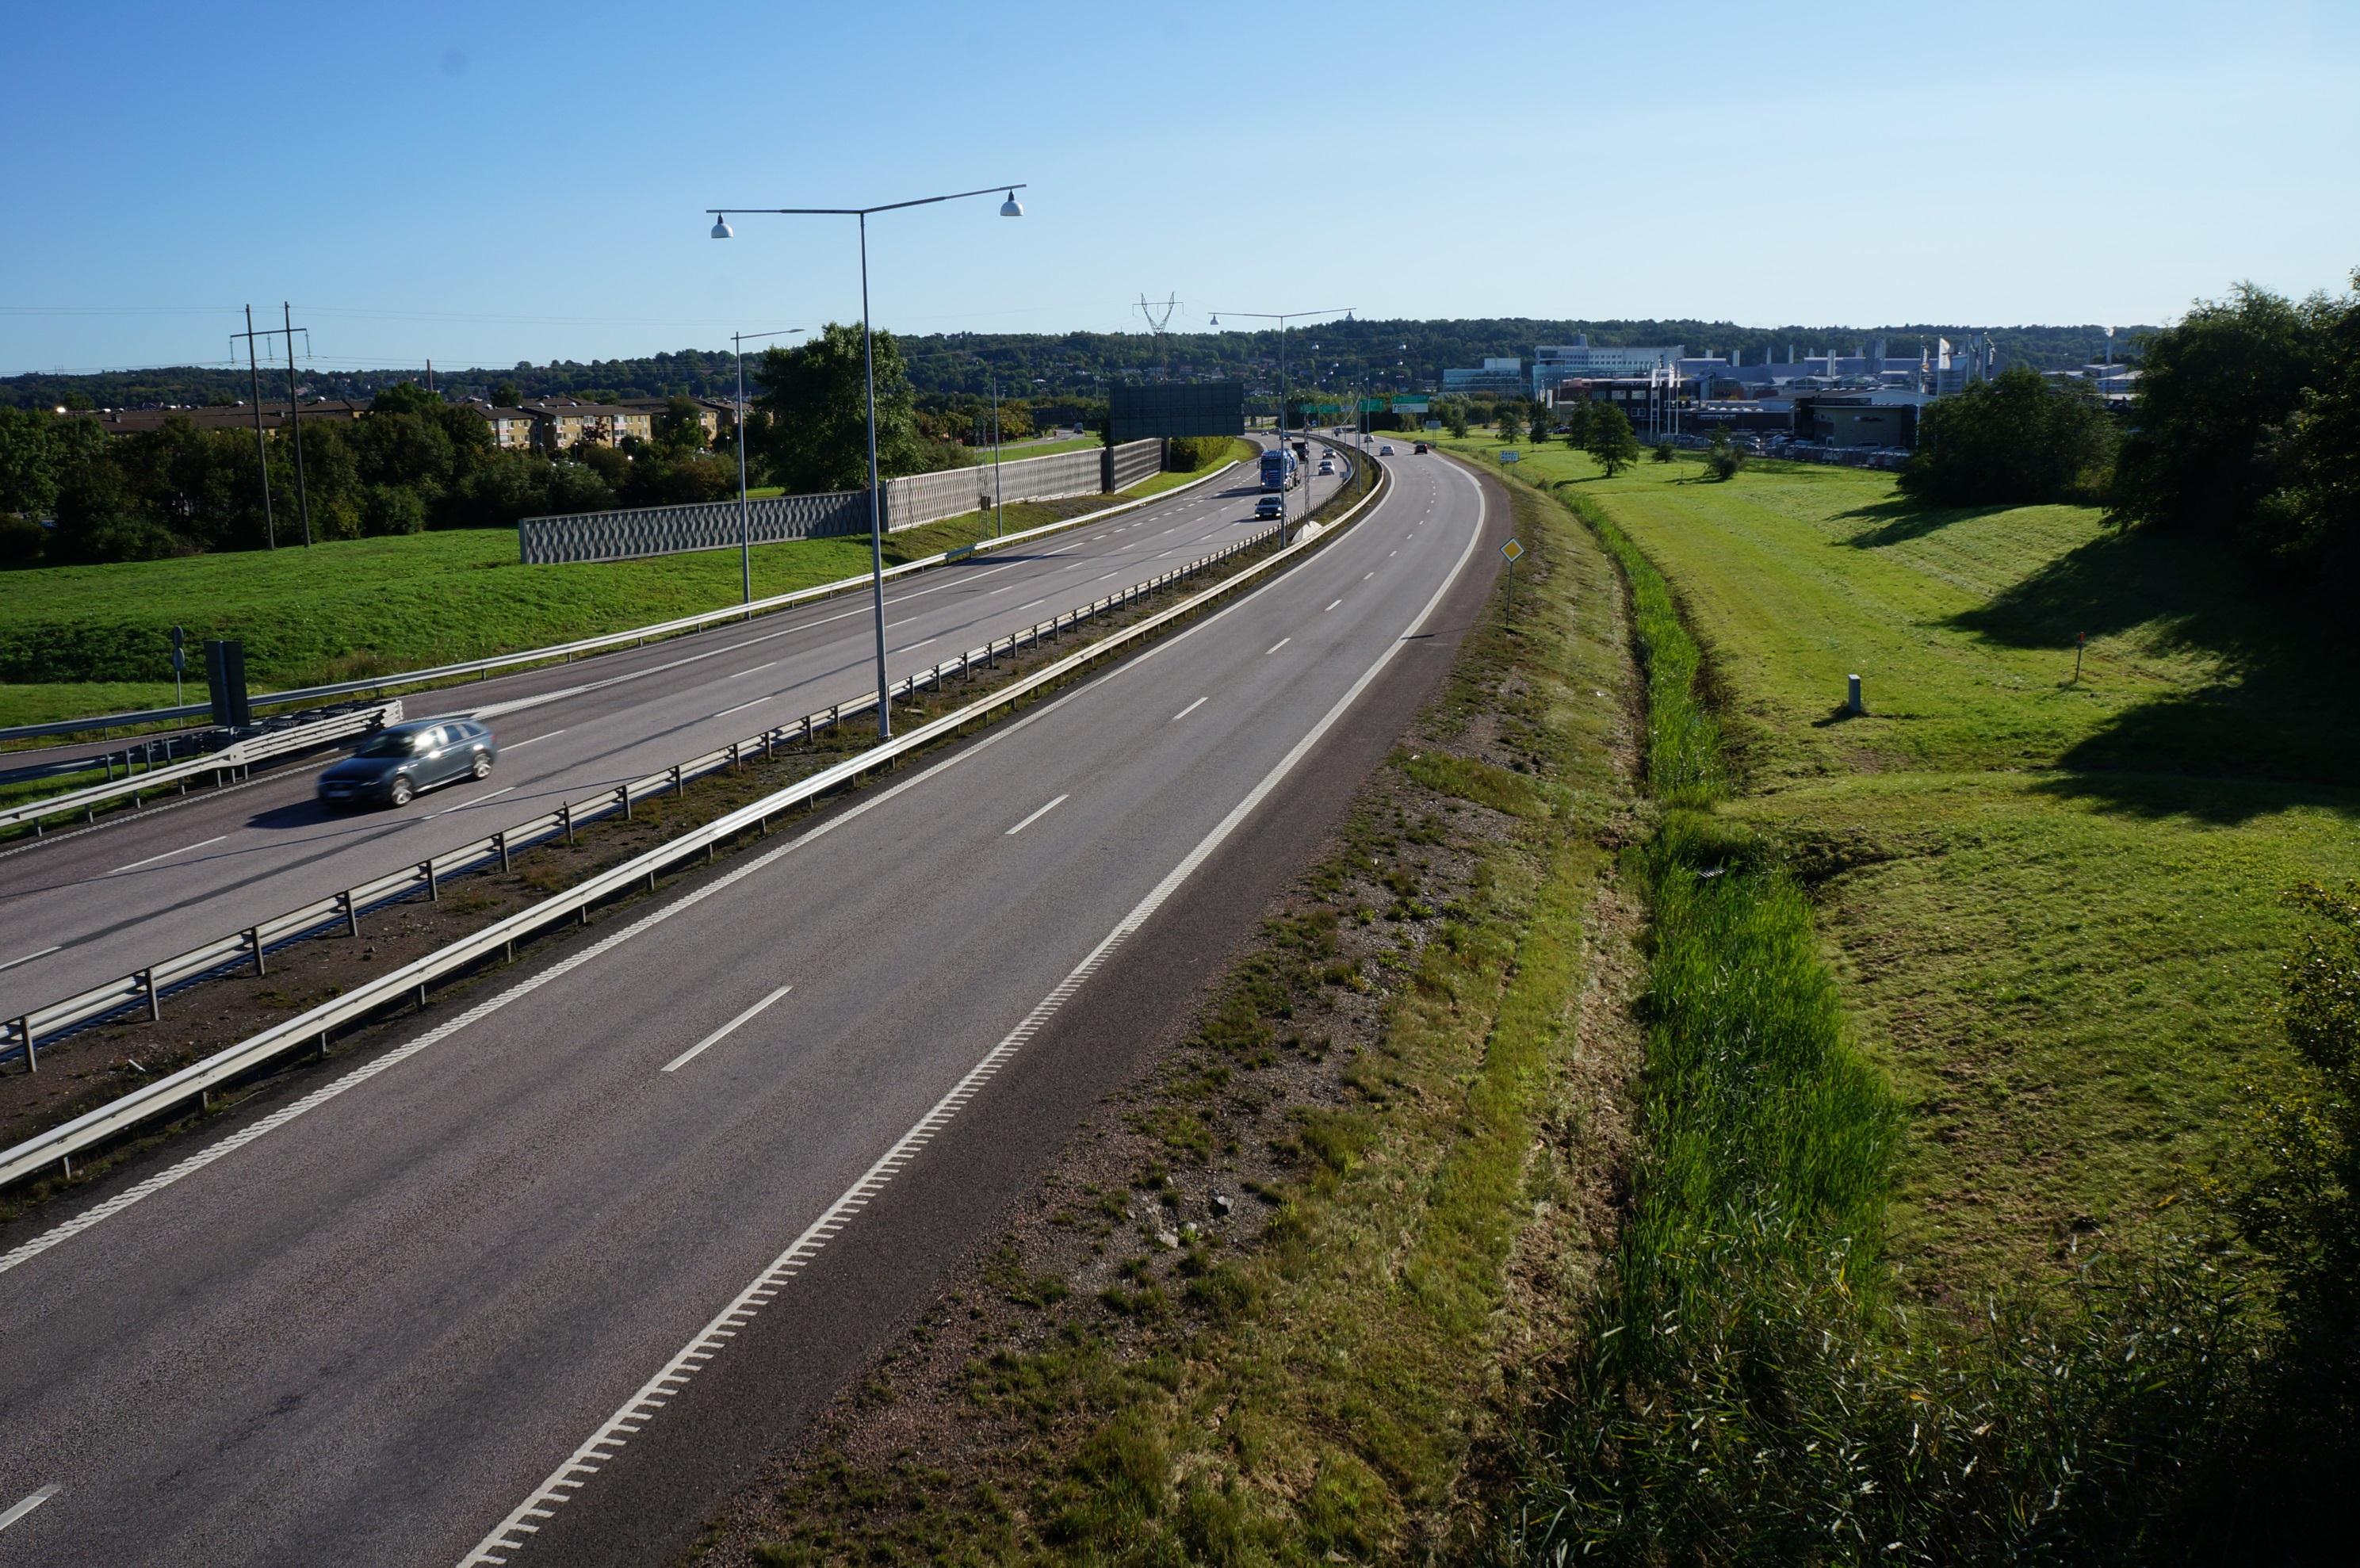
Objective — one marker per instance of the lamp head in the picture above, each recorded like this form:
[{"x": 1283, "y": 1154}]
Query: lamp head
[
  {"x": 721, "y": 230},
  {"x": 1216, "y": 321},
  {"x": 1012, "y": 208}
]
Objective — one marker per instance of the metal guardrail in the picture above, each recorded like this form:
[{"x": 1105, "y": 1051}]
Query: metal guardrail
[
  {"x": 569, "y": 650},
  {"x": 59, "y": 1145},
  {"x": 237, "y": 756}
]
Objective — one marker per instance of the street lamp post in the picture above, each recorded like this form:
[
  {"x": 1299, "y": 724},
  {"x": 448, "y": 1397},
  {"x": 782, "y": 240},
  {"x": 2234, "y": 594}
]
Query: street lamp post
[
  {"x": 1284, "y": 527},
  {"x": 1011, "y": 208},
  {"x": 737, "y": 341}
]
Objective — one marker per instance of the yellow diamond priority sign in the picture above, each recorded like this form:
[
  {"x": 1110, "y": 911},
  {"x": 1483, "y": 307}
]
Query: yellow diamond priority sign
[{"x": 1512, "y": 550}]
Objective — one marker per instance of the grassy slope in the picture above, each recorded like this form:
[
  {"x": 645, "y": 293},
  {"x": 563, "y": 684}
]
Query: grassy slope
[
  {"x": 2054, "y": 905},
  {"x": 343, "y": 610}
]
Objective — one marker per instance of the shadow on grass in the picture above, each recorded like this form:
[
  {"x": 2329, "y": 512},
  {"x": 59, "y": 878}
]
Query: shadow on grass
[
  {"x": 1901, "y": 519},
  {"x": 2277, "y": 722}
]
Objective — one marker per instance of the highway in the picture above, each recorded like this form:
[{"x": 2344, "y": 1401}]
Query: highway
[
  {"x": 82, "y": 910},
  {"x": 544, "y": 1280}
]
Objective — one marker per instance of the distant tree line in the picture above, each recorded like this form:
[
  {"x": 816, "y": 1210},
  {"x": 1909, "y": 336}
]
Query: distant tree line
[
  {"x": 1064, "y": 367},
  {"x": 71, "y": 492}
]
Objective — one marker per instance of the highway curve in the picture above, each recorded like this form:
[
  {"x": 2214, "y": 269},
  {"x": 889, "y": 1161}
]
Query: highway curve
[
  {"x": 80, "y": 910},
  {"x": 544, "y": 1281}
]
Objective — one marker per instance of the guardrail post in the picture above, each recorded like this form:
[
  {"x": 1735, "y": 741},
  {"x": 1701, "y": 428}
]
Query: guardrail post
[
  {"x": 254, "y": 940},
  {"x": 623, "y": 793},
  {"x": 25, "y": 1033},
  {"x": 352, "y": 913},
  {"x": 565, "y": 816},
  {"x": 500, "y": 842},
  {"x": 148, "y": 985},
  {"x": 676, "y": 780},
  {"x": 433, "y": 888}
]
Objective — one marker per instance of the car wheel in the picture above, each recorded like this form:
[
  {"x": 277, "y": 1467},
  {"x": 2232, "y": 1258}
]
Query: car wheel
[
  {"x": 401, "y": 792},
  {"x": 483, "y": 768}
]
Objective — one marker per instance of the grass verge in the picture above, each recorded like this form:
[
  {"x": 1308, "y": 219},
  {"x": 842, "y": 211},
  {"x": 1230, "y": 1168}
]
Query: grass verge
[{"x": 77, "y": 639}]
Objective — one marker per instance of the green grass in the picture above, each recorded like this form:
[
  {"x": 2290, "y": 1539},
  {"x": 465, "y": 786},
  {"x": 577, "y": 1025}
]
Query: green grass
[
  {"x": 75, "y": 639},
  {"x": 1753, "y": 1386},
  {"x": 2052, "y": 907}
]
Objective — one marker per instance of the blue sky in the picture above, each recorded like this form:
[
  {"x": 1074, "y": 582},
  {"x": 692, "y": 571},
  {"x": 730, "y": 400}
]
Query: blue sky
[{"x": 483, "y": 184}]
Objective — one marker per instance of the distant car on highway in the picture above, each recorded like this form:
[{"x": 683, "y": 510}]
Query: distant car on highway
[
  {"x": 400, "y": 761},
  {"x": 1271, "y": 508},
  {"x": 1327, "y": 465},
  {"x": 1419, "y": 448},
  {"x": 1386, "y": 450}
]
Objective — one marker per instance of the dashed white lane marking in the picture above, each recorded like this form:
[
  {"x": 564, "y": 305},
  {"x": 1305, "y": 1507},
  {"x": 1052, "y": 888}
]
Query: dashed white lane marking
[
  {"x": 29, "y": 957},
  {"x": 1023, "y": 607},
  {"x": 1003, "y": 588},
  {"x": 1331, "y": 606},
  {"x": 743, "y": 706},
  {"x": 536, "y": 740},
  {"x": 464, "y": 804},
  {"x": 1104, "y": 576},
  {"x": 1390, "y": 553},
  {"x": 1276, "y": 646},
  {"x": 1366, "y": 575},
  {"x": 23, "y": 1505},
  {"x": 693, "y": 1051},
  {"x": 913, "y": 647},
  {"x": 1036, "y": 816},
  {"x": 602, "y": 1446},
  {"x": 891, "y": 626},
  {"x": 1187, "y": 711},
  {"x": 167, "y": 854},
  {"x": 756, "y": 670}
]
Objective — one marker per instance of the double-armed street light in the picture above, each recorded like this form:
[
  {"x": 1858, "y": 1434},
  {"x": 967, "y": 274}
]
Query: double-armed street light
[
  {"x": 1282, "y": 319},
  {"x": 739, "y": 340},
  {"x": 1011, "y": 208}
]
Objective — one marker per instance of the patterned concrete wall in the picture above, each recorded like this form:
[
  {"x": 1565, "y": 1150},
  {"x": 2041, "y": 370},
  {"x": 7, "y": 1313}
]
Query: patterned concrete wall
[
  {"x": 910, "y": 501},
  {"x": 703, "y": 525}
]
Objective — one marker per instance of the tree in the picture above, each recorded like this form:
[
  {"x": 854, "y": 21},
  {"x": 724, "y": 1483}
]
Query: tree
[
  {"x": 1611, "y": 442},
  {"x": 1662, "y": 452},
  {"x": 404, "y": 398},
  {"x": 679, "y": 427},
  {"x": 1577, "y": 423},
  {"x": 2214, "y": 393},
  {"x": 813, "y": 429},
  {"x": 506, "y": 395},
  {"x": 2016, "y": 441},
  {"x": 1540, "y": 424},
  {"x": 1454, "y": 417},
  {"x": 36, "y": 448},
  {"x": 1722, "y": 458}
]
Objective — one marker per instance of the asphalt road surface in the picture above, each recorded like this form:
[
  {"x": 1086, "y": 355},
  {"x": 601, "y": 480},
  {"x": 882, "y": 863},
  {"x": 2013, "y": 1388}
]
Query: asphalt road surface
[
  {"x": 542, "y": 1282},
  {"x": 80, "y": 910}
]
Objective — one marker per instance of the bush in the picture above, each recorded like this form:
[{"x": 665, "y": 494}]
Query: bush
[
  {"x": 20, "y": 539},
  {"x": 2013, "y": 442},
  {"x": 1723, "y": 460},
  {"x": 392, "y": 509},
  {"x": 1187, "y": 454},
  {"x": 1663, "y": 451},
  {"x": 99, "y": 519}
]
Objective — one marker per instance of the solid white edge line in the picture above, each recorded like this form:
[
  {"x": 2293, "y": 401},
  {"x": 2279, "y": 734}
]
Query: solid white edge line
[
  {"x": 23, "y": 1505},
  {"x": 1036, "y": 816},
  {"x": 31, "y": 956},
  {"x": 563, "y": 1483},
  {"x": 693, "y": 1051},
  {"x": 1187, "y": 711},
  {"x": 166, "y": 855}
]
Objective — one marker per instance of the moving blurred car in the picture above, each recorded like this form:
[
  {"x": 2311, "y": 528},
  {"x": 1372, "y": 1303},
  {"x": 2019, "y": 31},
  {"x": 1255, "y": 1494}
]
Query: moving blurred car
[
  {"x": 401, "y": 760},
  {"x": 1418, "y": 448},
  {"x": 1386, "y": 450},
  {"x": 1271, "y": 508},
  {"x": 1327, "y": 465}
]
